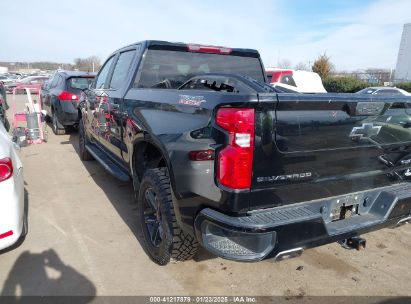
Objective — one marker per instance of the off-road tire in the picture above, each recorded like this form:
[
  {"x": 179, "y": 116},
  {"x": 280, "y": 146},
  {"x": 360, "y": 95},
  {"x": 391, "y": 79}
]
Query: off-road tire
[
  {"x": 177, "y": 244},
  {"x": 82, "y": 142},
  {"x": 57, "y": 127}
]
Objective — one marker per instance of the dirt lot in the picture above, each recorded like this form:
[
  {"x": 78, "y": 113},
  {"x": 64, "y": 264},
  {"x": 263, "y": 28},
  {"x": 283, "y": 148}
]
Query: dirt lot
[{"x": 83, "y": 240}]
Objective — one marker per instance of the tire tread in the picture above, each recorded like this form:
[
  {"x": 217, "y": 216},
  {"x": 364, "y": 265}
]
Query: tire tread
[{"x": 183, "y": 245}]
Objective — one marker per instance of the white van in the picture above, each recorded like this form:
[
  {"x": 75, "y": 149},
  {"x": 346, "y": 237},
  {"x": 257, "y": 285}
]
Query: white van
[{"x": 297, "y": 80}]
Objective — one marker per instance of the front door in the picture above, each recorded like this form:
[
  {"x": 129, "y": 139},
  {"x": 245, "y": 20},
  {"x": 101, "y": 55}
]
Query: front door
[{"x": 96, "y": 98}]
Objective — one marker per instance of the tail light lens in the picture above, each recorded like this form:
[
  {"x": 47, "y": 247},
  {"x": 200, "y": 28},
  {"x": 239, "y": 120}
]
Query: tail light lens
[
  {"x": 6, "y": 169},
  {"x": 209, "y": 49},
  {"x": 235, "y": 160},
  {"x": 64, "y": 96}
]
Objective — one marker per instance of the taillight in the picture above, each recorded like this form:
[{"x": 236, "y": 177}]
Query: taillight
[
  {"x": 6, "y": 169},
  {"x": 235, "y": 160},
  {"x": 68, "y": 96},
  {"x": 209, "y": 49}
]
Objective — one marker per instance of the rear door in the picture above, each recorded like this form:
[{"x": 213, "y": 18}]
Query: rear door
[
  {"x": 314, "y": 146},
  {"x": 44, "y": 95},
  {"x": 52, "y": 99},
  {"x": 111, "y": 136}
]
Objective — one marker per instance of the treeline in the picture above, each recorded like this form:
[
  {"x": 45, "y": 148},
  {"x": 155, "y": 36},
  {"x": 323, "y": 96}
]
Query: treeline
[
  {"x": 82, "y": 64},
  {"x": 41, "y": 65},
  {"x": 349, "y": 84},
  {"x": 337, "y": 83}
]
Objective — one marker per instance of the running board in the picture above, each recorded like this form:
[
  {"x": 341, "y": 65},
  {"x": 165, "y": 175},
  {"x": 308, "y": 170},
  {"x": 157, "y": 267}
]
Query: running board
[{"x": 108, "y": 164}]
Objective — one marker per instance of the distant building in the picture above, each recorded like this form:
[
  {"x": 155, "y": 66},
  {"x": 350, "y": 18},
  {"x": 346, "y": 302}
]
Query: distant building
[
  {"x": 3, "y": 70},
  {"x": 403, "y": 69}
]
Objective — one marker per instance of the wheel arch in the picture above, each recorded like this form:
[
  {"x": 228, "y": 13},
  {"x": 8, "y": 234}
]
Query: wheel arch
[{"x": 147, "y": 154}]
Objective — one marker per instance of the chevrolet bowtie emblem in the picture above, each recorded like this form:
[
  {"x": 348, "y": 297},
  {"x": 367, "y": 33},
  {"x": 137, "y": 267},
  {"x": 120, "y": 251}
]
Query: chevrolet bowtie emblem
[{"x": 365, "y": 131}]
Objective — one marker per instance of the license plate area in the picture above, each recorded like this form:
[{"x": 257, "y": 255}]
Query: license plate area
[{"x": 344, "y": 209}]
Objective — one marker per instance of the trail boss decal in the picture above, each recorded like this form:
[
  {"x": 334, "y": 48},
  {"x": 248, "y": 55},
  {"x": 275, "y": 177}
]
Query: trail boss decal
[{"x": 189, "y": 100}]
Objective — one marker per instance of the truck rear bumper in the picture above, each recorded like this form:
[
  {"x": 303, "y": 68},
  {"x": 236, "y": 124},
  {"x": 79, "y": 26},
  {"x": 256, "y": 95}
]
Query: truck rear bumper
[{"x": 288, "y": 230}]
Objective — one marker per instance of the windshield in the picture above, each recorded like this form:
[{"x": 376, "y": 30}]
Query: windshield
[
  {"x": 170, "y": 69},
  {"x": 80, "y": 83}
]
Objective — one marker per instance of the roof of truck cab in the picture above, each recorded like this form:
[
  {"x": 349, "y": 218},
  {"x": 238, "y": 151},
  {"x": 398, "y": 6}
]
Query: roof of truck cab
[{"x": 179, "y": 46}]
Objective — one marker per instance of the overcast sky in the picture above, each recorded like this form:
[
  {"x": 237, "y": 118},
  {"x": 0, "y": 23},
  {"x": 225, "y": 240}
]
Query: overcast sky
[{"x": 356, "y": 34}]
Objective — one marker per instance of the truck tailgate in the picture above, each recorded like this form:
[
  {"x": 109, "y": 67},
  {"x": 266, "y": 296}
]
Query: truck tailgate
[{"x": 314, "y": 146}]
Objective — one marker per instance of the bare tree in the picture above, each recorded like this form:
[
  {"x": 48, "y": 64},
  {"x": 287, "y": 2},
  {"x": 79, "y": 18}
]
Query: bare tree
[
  {"x": 379, "y": 75},
  {"x": 89, "y": 64},
  {"x": 302, "y": 67},
  {"x": 284, "y": 64}
]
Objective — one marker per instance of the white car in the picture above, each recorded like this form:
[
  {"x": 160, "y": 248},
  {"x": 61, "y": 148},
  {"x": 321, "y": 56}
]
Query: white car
[
  {"x": 13, "y": 216},
  {"x": 384, "y": 91},
  {"x": 296, "y": 80},
  {"x": 8, "y": 78}
]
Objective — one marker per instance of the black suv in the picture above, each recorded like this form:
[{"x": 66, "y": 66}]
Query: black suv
[{"x": 60, "y": 96}]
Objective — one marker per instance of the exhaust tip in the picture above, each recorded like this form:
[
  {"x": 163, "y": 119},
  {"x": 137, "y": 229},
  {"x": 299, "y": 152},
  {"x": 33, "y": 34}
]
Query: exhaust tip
[
  {"x": 404, "y": 221},
  {"x": 289, "y": 254}
]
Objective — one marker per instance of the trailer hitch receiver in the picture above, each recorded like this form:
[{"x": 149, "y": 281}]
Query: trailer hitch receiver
[{"x": 355, "y": 242}]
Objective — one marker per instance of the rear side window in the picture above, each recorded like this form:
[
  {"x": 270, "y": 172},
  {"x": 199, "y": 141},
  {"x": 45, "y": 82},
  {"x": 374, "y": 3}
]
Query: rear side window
[
  {"x": 102, "y": 76},
  {"x": 288, "y": 79},
  {"x": 121, "y": 70},
  {"x": 269, "y": 77},
  {"x": 79, "y": 83}
]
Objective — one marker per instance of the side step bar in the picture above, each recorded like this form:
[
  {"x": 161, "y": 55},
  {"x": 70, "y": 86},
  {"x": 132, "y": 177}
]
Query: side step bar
[{"x": 113, "y": 168}]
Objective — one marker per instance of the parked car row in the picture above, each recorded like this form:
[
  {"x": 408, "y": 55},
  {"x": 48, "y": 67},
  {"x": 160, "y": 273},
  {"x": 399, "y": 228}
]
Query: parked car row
[
  {"x": 5, "y": 78},
  {"x": 18, "y": 84}
]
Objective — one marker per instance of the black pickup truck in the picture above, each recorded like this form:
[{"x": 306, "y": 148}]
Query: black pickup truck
[{"x": 218, "y": 157}]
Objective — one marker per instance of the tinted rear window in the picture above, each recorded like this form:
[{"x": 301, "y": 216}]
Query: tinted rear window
[
  {"x": 288, "y": 79},
  {"x": 170, "y": 69},
  {"x": 79, "y": 83}
]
